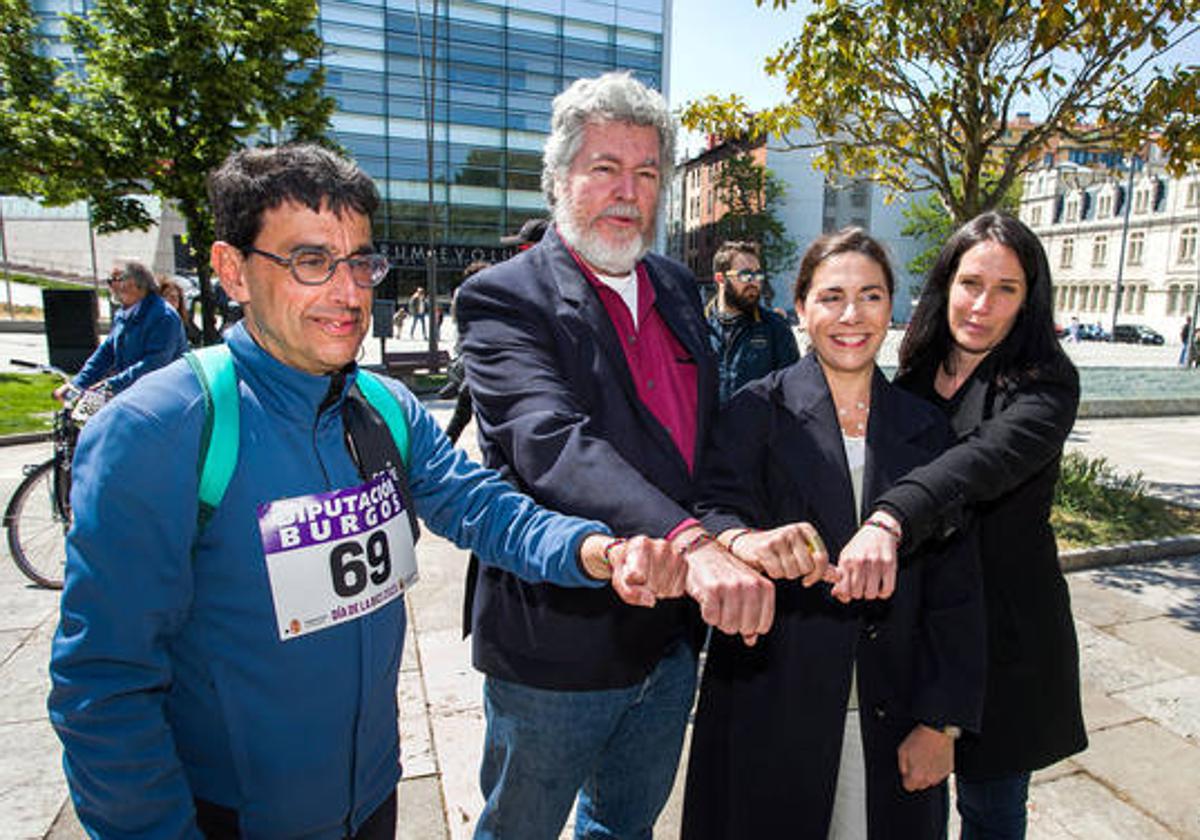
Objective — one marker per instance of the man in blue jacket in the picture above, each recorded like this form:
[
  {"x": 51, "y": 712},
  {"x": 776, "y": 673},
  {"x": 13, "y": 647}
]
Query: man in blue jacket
[
  {"x": 146, "y": 334},
  {"x": 234, "y": 674},
  {"x": 750, "y": 340}
]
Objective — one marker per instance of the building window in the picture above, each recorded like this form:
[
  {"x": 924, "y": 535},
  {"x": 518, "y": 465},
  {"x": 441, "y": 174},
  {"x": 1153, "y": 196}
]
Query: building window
[
  {"x": 1068, "y": 253},
  {"x": 1104, "y": 299},
  {"x": 1186, "y": 308},
  {"x": 1099, "y": 251},
  {"x": 1071, "y": 298},
  {"x": 1094, "y": 303},
  {"x": 1104, "y": 207},
  {"x": 1035, "y": 216},
  {"x": 1193, "y": 194},
  {"x": 1141, "y": 200},
  {"x": 1137, "y": 244},
  {"x": 1141, "y": 299},
  {"x": 1172, "y": 299},
  {"x": 1127, "y": 300},
  {"x": 1187, "y": 244},
  {"x": 1073, "y": 210}
]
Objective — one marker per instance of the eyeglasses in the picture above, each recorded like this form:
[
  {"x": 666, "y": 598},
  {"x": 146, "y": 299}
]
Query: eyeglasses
[
  {"x": 314, "y": 266},
  {"x": 115, "y": 278},
  {"x": 747, "y": 276}
]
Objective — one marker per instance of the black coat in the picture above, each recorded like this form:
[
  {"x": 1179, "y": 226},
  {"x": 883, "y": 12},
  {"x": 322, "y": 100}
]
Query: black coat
[
  {"x": 1002, "y": 474},
  {"x": 559, "y": 417},
  {"x": 768, "y": 733}
]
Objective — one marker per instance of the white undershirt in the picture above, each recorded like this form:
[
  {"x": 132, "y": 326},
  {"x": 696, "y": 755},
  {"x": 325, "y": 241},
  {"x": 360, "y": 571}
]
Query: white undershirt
[{"x": 626, "y": 287}]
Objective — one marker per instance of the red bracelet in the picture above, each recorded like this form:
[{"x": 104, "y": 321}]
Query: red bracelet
[
  {"x": 616, "y": 541},
  {"x": 700, "y": 539},
  {"x": 894, "y": 532},
  {"x": 743, "y": 532}
]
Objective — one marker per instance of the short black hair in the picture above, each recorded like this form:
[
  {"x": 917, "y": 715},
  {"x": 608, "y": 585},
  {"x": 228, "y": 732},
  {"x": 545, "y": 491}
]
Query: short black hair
[{"x": 252, "y": 181}]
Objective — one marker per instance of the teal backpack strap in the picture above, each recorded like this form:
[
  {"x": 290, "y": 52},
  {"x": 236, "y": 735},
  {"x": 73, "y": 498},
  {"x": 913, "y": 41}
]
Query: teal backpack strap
[
  {"x": 213, "y": 366},
  {"x": 384, "y": 401}
]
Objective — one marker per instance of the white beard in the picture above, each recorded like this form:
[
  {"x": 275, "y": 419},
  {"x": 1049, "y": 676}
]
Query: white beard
[{"x": 616, "y": 260}]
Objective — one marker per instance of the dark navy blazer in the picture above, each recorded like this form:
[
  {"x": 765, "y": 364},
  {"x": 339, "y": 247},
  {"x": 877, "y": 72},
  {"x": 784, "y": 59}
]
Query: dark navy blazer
[{"x": 559, "y": 416}]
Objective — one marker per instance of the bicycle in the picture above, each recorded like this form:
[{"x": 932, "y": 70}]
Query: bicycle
[{"x": 38, "y": 515}]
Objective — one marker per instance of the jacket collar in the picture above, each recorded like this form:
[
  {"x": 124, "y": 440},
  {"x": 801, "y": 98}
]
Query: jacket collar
[
  {"x": 281, "y": 387},
  {"x": 805, "y": 393}
]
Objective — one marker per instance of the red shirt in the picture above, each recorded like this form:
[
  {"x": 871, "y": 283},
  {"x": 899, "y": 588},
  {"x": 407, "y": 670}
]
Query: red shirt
[{"x": 664, "y": 373}]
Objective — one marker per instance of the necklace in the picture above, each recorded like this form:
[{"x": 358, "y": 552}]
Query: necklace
[{"x": 853, "y": 419}]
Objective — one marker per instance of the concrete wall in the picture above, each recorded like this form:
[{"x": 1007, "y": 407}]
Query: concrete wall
[{"x": 56, "y": 238}]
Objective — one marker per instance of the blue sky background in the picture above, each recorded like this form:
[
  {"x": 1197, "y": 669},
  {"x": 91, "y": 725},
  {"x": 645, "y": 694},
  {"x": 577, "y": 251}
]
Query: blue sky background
[{"x": 718, "y": 46}]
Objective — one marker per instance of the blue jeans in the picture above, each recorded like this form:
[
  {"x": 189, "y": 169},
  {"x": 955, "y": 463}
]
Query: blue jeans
[
  {"x": 618, "y": 749},
  {"x": 993, "y": 809}
]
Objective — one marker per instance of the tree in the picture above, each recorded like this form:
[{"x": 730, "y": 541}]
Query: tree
[
  {"x": 169, "y": 89},
  {"x": 928, "y": 220},
  {"x": 28, "y": 98},
  {"x": 922, "y": 94},
  {"x": 752, "y": 195}
]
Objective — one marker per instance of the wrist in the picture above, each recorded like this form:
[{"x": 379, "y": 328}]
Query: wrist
[
  {"x": 690, "y": 541},
  {"x": 594, "y": 555},
  {"x": 728, "y": 539},
  {"x": 887, "y": 523}
]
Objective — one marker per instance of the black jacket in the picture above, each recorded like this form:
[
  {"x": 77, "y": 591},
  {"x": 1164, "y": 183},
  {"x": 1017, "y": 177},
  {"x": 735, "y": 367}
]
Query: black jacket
[
  {"x": 1002, "y": 474},
  {"x": 559, "y": 416},
  {"x": 767, "y": 739}
]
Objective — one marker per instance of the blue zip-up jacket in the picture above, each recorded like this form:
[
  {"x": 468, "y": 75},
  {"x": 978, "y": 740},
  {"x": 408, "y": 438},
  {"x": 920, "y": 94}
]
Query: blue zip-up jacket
[
  {"x": 169, "y": 678},
  {"x": 750, "y": 348},
  {"x": 144, "y": 339}
]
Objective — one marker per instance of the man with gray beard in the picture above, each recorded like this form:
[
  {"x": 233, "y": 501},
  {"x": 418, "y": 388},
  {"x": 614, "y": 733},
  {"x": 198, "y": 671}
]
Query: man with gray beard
[{"x": 594, "y": 385}]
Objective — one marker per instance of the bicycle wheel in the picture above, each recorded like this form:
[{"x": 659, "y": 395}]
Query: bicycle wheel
[{"x": 37, "y": 530}]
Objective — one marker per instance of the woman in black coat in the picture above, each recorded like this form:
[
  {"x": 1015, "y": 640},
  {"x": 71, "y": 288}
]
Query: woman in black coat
[
  {"x": 839, "y": 721},
  {"x": 981, "y": 345}
]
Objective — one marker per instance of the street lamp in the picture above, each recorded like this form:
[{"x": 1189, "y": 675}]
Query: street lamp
[{"x": 1124, "y": 237}]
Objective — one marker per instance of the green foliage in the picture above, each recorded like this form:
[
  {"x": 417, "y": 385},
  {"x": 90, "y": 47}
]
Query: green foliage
[
  {"x": 1096, "y": 505},
  {"x": 168, "y": 89},
  {"x": 28, "y": 100},
  {"x": 927, "y": 220},
  {"x": 753, "y": 194},
  {"x": 922, "y": 95},
  {"x": 27, "y": 402}
]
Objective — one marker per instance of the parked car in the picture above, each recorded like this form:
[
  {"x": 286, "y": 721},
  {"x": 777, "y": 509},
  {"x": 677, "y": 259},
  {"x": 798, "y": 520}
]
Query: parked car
[
  {"x": 1093, "y": 332},
  {"x": 1136, "y": 334}
]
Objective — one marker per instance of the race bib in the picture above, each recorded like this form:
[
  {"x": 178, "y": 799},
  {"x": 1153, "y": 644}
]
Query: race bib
[{"x": 335, "y": 557}]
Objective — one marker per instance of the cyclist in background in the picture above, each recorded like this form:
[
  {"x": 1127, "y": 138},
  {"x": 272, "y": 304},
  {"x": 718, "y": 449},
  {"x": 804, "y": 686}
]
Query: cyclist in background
[{"x": 146, "y": 334}]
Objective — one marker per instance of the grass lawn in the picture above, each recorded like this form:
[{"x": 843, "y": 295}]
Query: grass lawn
[
  {"x": 25, "y": 402},
  {"x": 1095, "y": 505}
]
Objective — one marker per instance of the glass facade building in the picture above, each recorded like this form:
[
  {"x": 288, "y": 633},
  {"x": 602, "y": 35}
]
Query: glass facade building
[{"x": 495, "y": 68}]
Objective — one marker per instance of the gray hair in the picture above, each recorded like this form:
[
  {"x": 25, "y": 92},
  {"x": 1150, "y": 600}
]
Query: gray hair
[
  {"x": 612, "y": 97},
  {"x": 140, "y": 276}
]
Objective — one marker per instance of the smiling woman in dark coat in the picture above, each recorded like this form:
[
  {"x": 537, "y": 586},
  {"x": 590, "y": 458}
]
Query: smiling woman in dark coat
[
  {"x": 982, "y": 346},
  {"x": 840, "y": 721}
]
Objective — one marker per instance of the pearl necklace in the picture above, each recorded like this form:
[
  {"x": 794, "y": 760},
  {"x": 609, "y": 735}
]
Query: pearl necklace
[{"x": 852, "y": 427}]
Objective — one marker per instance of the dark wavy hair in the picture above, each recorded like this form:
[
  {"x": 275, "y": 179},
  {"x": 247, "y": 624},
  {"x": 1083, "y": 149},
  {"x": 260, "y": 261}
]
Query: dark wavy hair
[
  {"x": 847, "y": 240},
  {"x": 253, "y": 181},
  {"x": 1029, "y": 345}
]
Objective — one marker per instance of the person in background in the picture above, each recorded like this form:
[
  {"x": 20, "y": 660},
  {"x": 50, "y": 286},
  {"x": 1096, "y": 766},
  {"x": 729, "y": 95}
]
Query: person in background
[
  {"x": 1185, "y": 340},
  {"x": 981, "y": 346},
  {"x": 172, "y": 293},
  {"x": 417, "y": 305},
  {"x": 456, "y": 383},
  {"x": 840, "y": 722},
  {"x": 146, "y": 334},
  {"x": 594, "y": 386},
  {"x": 748, "y": 339}
]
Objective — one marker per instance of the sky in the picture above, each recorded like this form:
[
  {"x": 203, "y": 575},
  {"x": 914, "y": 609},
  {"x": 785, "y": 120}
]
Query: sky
[{"x": 719, "y": 46}]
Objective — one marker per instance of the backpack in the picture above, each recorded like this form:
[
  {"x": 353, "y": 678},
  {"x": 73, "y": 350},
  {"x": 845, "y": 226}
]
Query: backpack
[{"x": 213, "y": 367}]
